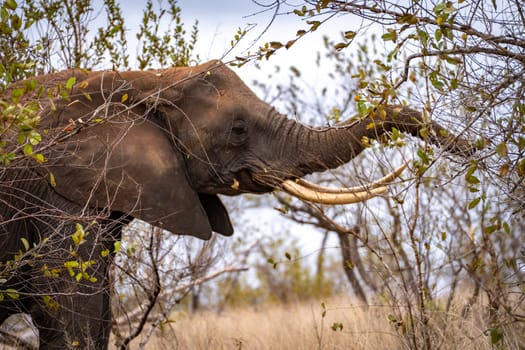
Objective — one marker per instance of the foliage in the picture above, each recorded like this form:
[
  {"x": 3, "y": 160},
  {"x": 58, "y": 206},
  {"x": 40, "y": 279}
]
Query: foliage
[
  {"x": 43, "y": 36},
  {"x": 281, "y": 276},
  {"x": 463, "y": 64},
  {"x": 39, "y": 37},
  {"x": 164, "y": 47}
]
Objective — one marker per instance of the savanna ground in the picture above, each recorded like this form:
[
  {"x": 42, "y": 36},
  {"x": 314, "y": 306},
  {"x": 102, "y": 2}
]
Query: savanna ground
[{"x": 338, "y": 323}]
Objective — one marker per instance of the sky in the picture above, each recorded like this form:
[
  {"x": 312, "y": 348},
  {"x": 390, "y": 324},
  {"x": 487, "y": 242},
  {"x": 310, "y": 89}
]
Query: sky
[{"x": 220, "y": 20}]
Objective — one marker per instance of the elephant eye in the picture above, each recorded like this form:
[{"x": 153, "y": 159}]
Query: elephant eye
[{"x": 238, "y": 132}]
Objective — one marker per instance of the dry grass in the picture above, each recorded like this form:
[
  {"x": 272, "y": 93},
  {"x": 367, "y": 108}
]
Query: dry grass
[{"x": 301, "y": 326}]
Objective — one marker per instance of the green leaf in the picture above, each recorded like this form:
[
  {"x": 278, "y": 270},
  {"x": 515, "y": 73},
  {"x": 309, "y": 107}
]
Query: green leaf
[
  {"x": 474, "y": 203},
  {"x": 453, "y": 60},
  {"x": 521, "y": 143},
  {"x": 11, "y": 4},
  {"x": 473, "y": 180},
  {"x": 423, "y": 37},
  {"x": 34, "y": 138},
  {"x": 362, "y": 108},
  {"x": 496, "y": 333},
  {"x": 16, "y": 93},
  {"x": 39, "y": 157},
  {"x": 16, "y": 22},
  {"x": 472, "y": 168},
  {"x": 449, "y": 9},
  {"x": 28, "y": 149},
  {"x": 70, "y": 82},
  {"x": 392, "y": 55},
  {"x": 425, "y": 158},
  {"x": 506, "y": 227},
  {"x": 408, "y": 18},
  {"x": 490, "y": 229},
  {"x": 423, "y": 133},
  {"x": 12, "y": 293},
  {"x": 391, "y": 35},
  {"x": 438, "y": 34},
  {"x": 438, "y": 84},
  {"x": 336, "y": 326}
]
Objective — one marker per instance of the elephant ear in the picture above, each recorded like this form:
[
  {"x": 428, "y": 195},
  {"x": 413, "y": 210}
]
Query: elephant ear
[{"x": 129, "y": 164}]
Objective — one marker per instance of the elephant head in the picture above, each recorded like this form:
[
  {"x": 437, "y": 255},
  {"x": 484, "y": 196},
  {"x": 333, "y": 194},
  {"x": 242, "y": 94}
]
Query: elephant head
[{"x": 160, "y": 145}]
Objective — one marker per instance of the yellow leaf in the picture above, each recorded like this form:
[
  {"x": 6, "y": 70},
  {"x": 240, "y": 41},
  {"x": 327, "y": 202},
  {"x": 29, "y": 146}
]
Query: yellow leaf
[
  {"x": 501, "y": 149},
  {"x": 521, "y": 167},
  {"x": 116, "y": 247},
  {"x": 503, "y": 170},
  {"x": 371, "y": 125},
  {"x": 124, "y": 98},
  {"x": 25, "y": 243},
  {"x": 276, "y": 45},
  {"x": 52, "y": 180},
  {"x": 70, "y": 264}
]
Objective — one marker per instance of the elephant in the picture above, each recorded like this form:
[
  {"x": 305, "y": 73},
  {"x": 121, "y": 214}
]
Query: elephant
[{"x": 160, "y": 146}]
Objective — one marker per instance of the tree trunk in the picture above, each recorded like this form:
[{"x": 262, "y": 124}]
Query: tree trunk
[{"x": 346, "y": 253}]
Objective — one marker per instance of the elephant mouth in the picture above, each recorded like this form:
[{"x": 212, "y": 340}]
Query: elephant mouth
[{"x": 314, "y": 193}]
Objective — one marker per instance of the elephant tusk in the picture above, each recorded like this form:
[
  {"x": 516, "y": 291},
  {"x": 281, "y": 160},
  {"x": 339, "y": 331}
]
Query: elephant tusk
[
  {"x": 310, "y": 195},
  {"x": 357, "y": 189}
]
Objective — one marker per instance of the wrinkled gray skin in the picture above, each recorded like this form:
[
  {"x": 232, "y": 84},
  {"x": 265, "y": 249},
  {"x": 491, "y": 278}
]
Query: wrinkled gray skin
[{"x": 155, "y": 145}]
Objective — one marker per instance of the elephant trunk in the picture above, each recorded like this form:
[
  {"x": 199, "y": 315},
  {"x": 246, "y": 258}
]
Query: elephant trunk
[{"x": 319, "y": 149}]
